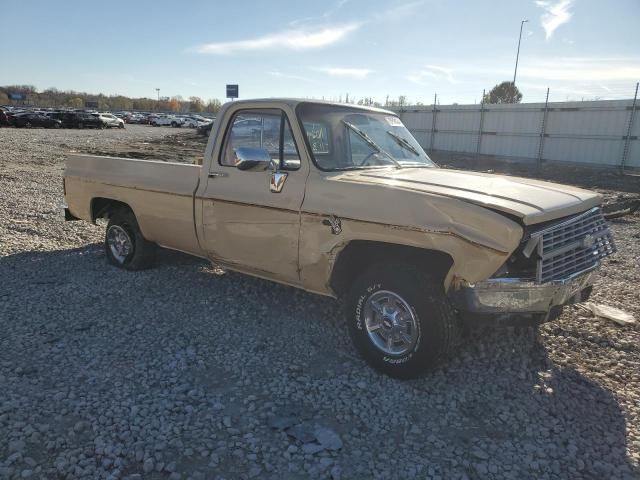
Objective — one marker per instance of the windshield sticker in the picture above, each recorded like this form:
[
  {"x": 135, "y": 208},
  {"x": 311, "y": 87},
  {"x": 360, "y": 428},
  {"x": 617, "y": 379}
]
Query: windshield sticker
[{"x": 393, "y": 121}]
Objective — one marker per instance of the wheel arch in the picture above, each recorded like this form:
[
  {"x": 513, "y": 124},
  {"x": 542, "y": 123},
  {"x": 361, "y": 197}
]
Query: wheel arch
[
  {"x": 102, "y": 207},
  {"x": 357, "y": 255}
]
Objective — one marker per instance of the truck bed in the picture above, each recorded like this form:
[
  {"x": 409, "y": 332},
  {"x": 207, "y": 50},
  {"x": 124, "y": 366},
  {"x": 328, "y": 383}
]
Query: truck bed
[{"x": 161, "y": 194}]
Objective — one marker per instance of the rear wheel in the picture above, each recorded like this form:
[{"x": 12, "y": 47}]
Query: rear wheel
[
  {"x": 124, "y": 245},
  {"x": 80, "y": 125},
  {"x": 400, "y": 320}
]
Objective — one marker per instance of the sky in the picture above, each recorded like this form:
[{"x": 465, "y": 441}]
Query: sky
[{"x": 580, "y": 49}]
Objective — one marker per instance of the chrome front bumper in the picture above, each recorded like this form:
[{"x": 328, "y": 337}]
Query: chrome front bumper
[{"x": 516, "y": 297}]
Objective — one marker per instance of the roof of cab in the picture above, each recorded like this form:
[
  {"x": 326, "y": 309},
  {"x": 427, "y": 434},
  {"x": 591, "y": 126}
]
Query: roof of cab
[{"x": 294, "y": 102}]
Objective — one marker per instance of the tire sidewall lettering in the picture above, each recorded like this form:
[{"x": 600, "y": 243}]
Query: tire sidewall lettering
[{"x": 369, "y": 290}]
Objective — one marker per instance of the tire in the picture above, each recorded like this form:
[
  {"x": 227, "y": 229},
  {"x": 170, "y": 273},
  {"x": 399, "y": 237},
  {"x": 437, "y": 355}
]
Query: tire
[
  {"x": 417, "y": 300},
  {"x": 124, "y": 245},
  {"x": 121, "y": 125},
  {"x": 27, "y": 125},
  {"x": 80, "y": 125},
  {"x": 174, "y": 124}
]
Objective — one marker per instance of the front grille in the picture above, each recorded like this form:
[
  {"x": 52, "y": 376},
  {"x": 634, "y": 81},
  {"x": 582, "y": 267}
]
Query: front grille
[{"x": 572, "y": 246}]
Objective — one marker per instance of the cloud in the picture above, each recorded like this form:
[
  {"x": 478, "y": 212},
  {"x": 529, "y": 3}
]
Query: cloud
[
  {"x": 327, "y": 14},
  {"x": 582, "y": 69},
  {"x": 278, "y": 74},
  {"x": 435, "y": 72},
  {"x": 295, "y": 39},
  {"x": 304, "y": 33},
  {"x": 344, "y": 72},
  {"x": 555, "y": 14},
  {"x": 569, "y": 69}
]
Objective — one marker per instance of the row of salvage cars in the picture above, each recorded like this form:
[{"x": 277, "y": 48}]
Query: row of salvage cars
[{"x": 59, "y": 119}]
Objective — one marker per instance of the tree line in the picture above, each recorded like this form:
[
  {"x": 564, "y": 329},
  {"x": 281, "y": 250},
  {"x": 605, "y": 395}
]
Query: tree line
[
  {"x": 52, "y": 97},
  {"x": 505, "y": 92}
]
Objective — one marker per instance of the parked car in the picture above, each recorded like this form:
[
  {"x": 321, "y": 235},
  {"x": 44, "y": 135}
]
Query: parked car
[
  {"x": 193, "y": 121},
  {"x": 110, "y": 120},
  {"x": 83, "y": 120},
  {"x": 136, "y": 118},
  {"x": 247, "y": 127},
  {"x": 341, "y": 200},
  {"x": 205, "y": 128},
  {"x": 28, "y": 120},
  {"x": 6, "y": 118},
  {"x": 57, "y": 115},
  {"x": 168, "y": 120}
]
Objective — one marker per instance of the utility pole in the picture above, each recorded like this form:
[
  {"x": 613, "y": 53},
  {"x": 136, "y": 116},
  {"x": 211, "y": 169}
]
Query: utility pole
[
  {"x": 158, "y": 92},
  {"x": 515, "y": 71}
]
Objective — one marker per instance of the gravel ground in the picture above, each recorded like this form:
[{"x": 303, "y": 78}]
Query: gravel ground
[{"x": 185, "y": 371}]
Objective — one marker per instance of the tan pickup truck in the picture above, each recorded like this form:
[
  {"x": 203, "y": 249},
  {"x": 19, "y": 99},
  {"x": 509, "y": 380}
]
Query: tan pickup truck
[{"x": 341, "y": 200}]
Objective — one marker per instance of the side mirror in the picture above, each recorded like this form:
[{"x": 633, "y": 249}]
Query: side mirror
[{"x": 249, "y": 158}]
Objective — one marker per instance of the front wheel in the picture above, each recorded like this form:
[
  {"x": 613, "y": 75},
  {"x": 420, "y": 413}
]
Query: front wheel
[
  {"x": 124, "y": 245},
  {"x": 400, "y": 320}
]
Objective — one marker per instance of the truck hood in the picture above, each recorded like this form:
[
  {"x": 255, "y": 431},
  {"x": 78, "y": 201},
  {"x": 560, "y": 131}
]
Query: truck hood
[{"x": 532, "y": 201}]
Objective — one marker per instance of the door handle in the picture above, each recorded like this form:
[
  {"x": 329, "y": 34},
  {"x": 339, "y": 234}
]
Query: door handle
[
  {"x": 217, "y": 174},
  {"x": 277, "y": 181}
]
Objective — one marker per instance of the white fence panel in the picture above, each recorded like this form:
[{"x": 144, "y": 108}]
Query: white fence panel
[{"x": 581, "y": 132}]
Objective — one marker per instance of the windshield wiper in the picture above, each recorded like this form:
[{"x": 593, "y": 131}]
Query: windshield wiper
[
  {"x": 403, "y": 142},
  {"x": 370, "y": 142}
]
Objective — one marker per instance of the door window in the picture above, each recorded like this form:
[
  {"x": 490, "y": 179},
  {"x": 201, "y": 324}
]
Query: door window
[{"x": 267, "y": 129}]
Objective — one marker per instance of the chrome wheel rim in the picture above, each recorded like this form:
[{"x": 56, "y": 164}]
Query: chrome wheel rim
[
  {"x": 119, "y": 242},
  {"x": 391, "y": 323}
]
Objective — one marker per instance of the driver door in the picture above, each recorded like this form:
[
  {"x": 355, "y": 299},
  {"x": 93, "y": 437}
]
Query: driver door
[{"x": 247, "y": 225}]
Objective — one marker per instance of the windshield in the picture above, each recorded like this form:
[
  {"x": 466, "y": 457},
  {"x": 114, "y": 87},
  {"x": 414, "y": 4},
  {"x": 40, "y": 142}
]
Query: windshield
[{"x": 345, "y": 138}]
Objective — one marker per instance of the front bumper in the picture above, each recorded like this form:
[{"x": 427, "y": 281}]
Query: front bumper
[{"x": 505, "y": 300}]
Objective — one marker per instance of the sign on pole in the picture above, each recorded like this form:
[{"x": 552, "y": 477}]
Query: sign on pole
[
  {"x": 17, "y": 96},
  {"x": 90, "y": 104},
  {"x": 232, "y": 91}
]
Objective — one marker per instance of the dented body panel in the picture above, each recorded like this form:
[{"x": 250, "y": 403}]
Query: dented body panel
[{"x": 478, "y": 240}]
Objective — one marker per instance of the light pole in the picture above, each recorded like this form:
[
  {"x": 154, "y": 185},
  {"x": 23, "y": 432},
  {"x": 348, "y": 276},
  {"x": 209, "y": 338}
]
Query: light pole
[
  {"x": 158, "y": 92},
  {"x": 517, "y": 56}
]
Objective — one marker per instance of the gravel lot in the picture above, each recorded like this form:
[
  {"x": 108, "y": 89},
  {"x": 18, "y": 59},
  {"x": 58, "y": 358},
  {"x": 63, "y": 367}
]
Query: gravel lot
[{"x": 185, "y": 371}]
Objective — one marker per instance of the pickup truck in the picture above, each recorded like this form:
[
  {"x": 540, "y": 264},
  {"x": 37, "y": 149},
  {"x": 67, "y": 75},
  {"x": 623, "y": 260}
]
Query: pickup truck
[{"x": 341, "y": 200}]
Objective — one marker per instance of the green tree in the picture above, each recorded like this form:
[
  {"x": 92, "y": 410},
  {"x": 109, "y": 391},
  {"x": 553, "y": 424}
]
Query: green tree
[{"x": 505, "y": 92}]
